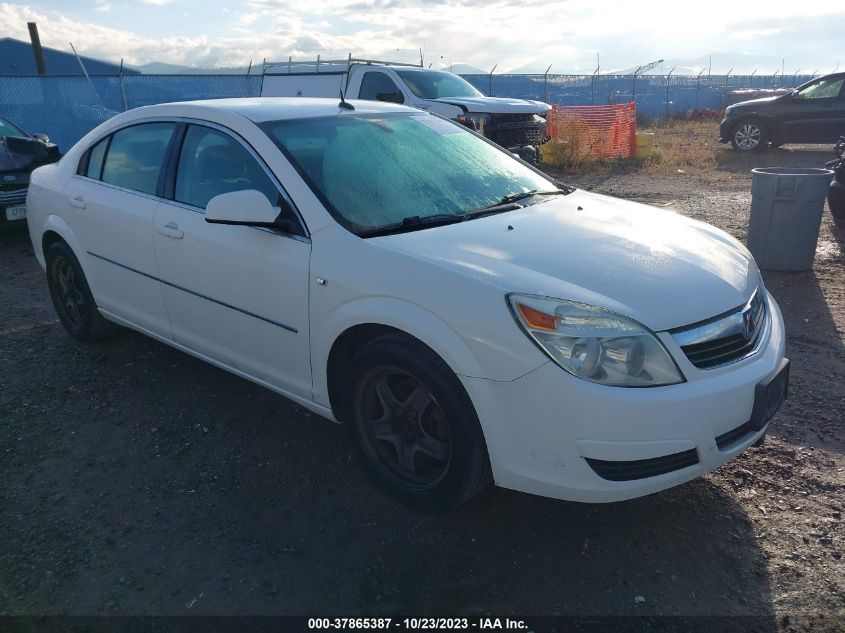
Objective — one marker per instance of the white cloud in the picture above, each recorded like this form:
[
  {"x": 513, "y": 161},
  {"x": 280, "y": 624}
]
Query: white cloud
[{"x": 510, "y": 33}]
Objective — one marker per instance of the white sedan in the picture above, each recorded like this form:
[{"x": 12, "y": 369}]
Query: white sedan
[{"x": 469, "y": 319}]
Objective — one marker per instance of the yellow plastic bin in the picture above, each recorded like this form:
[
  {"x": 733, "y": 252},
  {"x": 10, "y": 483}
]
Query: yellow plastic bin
[{"x": 644, "y": 144}]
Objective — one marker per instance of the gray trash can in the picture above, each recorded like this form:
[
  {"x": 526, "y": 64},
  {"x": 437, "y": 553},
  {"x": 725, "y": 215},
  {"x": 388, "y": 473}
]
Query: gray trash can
[{"x": 786, "y": 212}]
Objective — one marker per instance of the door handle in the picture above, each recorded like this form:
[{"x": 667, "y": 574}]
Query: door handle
[
  {"x": 171, "y": 230},
  {"x": 77, "y": 202}
]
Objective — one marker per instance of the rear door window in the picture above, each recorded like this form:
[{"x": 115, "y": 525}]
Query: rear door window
[{"x": 136, "y": 156}]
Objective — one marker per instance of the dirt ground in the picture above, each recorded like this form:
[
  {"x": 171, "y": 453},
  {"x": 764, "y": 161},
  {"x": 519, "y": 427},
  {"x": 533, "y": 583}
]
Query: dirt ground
[{"x": 138, "y": 480}]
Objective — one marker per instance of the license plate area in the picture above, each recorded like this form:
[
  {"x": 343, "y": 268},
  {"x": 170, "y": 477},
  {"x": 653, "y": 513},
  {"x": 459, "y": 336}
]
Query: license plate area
[
  {"x": 16, "y": 212},
  {"x": 769, "y": 395}
]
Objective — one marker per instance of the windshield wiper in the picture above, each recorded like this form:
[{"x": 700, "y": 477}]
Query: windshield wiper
[
  {"x": 522, "y": 195},
  {"x": 413, "y": 223},
  {"x": 509, "y": 202},
  {"x": 416, "y": 222}
]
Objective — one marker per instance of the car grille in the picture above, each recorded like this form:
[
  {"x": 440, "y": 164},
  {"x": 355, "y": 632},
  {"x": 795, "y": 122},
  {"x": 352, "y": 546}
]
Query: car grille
[
  {"x": 727, "y": 338},
  {"x": 514, "y": 130},
  {"x": 734, "y": 435},
  {"x": 13, "y": 196},
  {"x": 642, "y": 468}
]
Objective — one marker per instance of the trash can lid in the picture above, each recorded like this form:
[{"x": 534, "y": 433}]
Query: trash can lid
[{"x": 792, "y": 171}]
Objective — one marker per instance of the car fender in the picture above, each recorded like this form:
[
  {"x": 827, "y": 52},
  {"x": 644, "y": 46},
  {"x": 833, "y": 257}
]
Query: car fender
[
  {"x": 57, "y": 225},
  {"x": 766, "y": 118},
  {"x": 400, "y": 314}
]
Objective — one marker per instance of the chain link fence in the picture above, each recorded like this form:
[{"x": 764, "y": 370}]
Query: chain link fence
[
  {"x": 657, "y": 96},
  {"x": 68, "y": 107}
]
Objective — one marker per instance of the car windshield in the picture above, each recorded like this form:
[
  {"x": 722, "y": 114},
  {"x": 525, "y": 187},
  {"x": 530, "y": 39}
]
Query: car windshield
[
  {"x": 7, "y": 129},
  {"x": 374, "y": 171},
  {"x": 822, "y": 89},
  {"x": 433, "y": 84}
]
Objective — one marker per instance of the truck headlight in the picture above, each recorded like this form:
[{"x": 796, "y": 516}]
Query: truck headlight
[
  {"x": 477, "y": 122},
  {"x": 595, "y": 344}
]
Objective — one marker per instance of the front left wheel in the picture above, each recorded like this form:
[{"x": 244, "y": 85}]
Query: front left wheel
[
  {"x": 72, "y": 297},
  {"x": 414, "y": 424},
  {"x": 749, "y": 136}
]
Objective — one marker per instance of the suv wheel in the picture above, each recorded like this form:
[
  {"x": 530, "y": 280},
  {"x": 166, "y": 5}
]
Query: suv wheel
[{"x": 749, "y": 136}]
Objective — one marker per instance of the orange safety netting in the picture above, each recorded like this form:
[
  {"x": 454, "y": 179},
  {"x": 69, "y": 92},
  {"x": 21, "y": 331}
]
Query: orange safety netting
[{"x": 607, "y": 131}]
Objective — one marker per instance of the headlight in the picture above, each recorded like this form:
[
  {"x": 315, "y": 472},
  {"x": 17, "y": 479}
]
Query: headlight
[
  {"x": 477, "y": 122},
  {"x": 595, "y": 344}
]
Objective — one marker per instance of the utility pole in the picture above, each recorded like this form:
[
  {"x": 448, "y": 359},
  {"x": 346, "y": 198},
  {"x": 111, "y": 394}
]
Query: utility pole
[{"x": 40, "y": 66}]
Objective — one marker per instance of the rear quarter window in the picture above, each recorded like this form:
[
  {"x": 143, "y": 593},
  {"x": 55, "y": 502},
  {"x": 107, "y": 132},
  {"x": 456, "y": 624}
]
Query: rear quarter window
[{"x": 91, "y": 164}]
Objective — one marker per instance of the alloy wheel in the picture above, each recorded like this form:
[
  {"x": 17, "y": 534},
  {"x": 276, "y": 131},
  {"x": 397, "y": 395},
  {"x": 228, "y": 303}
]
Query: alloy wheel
[
  {"x": 71, "y": 297},
  {"x": 405, "y": 432},
  {"x": 748, "y": 136}
]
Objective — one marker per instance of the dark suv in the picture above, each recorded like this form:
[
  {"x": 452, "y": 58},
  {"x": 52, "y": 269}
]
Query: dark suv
[
  {"x": 812, "y": 113},
  {"x": 20, "y": 153}
]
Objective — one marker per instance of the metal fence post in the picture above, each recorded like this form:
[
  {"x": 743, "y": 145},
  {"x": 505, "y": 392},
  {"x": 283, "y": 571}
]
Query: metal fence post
[
  {"x": 668, "y": 79},
  {"x": 491, "y": 81},
  {"x": 546, "y": 84},
  {"x": 698, "y": 91},
  {"x": 122, "y": 88},
  {"x": 634, "y": 88}
]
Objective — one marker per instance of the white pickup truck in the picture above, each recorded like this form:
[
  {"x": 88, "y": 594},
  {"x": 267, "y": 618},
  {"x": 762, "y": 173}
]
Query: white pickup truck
[{"x": 518, "y": 125}]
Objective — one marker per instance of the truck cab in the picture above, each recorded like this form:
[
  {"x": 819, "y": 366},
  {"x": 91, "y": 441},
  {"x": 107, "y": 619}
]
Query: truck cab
[{"x": 518, "y": 125}]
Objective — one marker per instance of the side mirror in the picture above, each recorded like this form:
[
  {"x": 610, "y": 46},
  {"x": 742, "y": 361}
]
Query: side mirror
[
  {"x": 248, "y": 208},
  {"x": 392, "y": 97},
  {"x": 41, "y": 137}
]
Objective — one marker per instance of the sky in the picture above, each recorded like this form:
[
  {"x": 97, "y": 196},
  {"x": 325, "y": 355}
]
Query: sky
[{"x": 523, "y": 36}]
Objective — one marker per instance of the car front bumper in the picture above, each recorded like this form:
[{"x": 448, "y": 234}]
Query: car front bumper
[
  {"x": 545, "y": 429},
  {"x": 12, "y": 198},
  {"x": 725, "y": 129}
]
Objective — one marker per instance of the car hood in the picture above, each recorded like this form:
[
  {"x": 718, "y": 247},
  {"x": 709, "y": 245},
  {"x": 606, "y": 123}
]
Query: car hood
[
  {"x": 754, "y": 103},
  {"x": 656, "y": 266},
  {"x": 496, "y": 105},
  {"x": 23, "y": 154}
]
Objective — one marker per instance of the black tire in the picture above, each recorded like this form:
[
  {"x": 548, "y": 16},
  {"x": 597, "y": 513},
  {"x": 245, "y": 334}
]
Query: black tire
[
  {"x": 72, "y": 297},
  {"x": 430, "y": 451},
  {"x": 836, "y": 202},
  {"x": 749, "y": 135}
]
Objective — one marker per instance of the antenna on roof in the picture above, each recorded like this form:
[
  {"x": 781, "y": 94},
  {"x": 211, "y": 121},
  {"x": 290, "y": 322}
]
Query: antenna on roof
[{"x": 344, "y": 103}]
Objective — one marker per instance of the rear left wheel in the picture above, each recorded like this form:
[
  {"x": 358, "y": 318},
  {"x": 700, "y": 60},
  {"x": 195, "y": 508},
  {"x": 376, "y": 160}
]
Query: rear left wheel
[{"x": 72, "y": 297}]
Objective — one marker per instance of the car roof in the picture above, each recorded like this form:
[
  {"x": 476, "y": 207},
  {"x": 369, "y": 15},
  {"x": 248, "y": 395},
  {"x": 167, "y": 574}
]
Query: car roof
[{"x": 261, "y": 109}]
